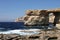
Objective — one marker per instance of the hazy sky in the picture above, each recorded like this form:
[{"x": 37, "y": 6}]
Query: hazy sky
[{"x": 11, "y": 9}]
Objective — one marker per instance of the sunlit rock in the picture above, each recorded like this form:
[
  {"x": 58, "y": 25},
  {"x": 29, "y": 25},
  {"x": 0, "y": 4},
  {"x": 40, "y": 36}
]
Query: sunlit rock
[
  {"x": 37, "y": 17},
  {"x": 58, "y": 26},
  {"x": 51, "y": 18}
]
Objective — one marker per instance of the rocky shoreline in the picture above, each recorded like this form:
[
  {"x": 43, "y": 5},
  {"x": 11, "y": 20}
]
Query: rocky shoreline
[
  {"x": 11, "y": 37},
  {"x": 44, "y": 35}
]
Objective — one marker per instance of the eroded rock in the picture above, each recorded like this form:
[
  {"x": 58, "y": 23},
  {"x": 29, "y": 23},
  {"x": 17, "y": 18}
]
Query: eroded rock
[{"x": 37, "y": 17}]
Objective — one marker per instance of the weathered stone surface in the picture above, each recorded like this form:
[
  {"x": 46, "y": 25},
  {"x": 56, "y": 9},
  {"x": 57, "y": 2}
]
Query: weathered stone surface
[
  {"x": 29, "y": 12},
  {"x": 37, "y": 17},
  {"x": 51, "y": 18},
  {"x": 43, "y": 35},
  {"x": 34, "y": 17}
]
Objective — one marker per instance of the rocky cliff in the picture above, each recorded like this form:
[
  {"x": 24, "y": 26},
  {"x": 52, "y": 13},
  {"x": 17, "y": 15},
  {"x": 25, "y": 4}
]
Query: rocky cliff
[
  {"x": 39, "y": 17},
  {"x": 35, "y": 17}
]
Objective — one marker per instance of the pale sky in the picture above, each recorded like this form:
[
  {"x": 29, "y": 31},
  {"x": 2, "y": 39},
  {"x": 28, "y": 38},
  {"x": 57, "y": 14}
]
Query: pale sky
[{"x": 12, "y": 9}]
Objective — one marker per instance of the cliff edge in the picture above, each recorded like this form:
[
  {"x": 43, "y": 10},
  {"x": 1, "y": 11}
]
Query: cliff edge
[{"x": 41, "y": 17}]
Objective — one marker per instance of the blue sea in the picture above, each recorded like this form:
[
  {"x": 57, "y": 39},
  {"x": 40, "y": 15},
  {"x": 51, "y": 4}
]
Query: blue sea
[
  {"x": 4, "y": 26},
  {"x": 17, "y": 28}
]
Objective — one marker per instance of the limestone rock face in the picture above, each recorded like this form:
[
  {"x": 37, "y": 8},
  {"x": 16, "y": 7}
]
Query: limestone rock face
[
  {"x": 35, "y": 17},
  {"x": 51, "y": 18},
  {"x": 33, "y": 12},
  {"x": 32, "y": 20},
  {"x": 38, "y": 17}
]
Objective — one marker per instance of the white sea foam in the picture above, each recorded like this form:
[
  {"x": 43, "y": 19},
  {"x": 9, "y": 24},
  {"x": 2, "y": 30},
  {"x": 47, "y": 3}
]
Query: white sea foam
[{"x": 22, "y": 32}]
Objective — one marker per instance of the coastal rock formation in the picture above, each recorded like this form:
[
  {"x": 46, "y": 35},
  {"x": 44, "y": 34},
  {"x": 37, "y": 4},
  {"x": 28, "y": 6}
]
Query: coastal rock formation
[
  {"x": 35, "y": 17},
  {"x": 39, "y": 17},
  {"x": 50, "y": 34},
  {"x": 56, "y": 13}
]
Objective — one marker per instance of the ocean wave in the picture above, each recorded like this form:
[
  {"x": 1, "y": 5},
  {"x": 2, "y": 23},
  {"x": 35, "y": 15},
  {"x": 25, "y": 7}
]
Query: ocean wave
[{"x": 22, "y": 32}]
